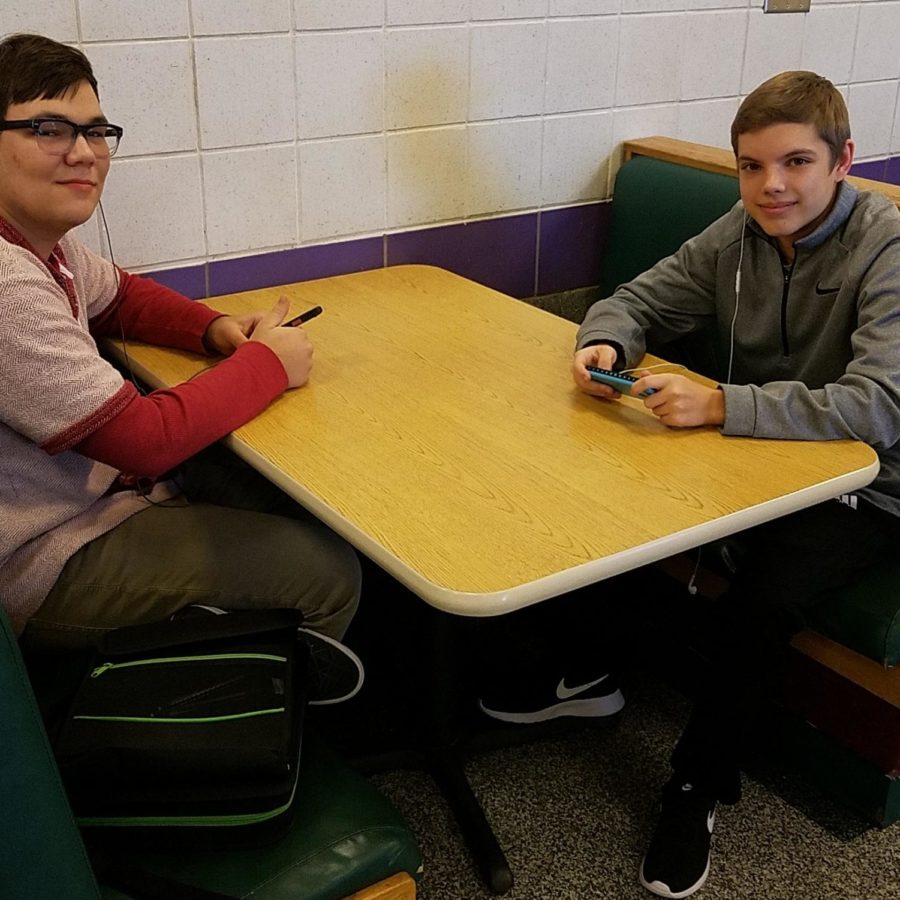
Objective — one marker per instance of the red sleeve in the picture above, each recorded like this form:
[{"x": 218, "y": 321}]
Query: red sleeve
[
  {"x": 153, "y": 313},
  {"x": 153, "y": 434}
]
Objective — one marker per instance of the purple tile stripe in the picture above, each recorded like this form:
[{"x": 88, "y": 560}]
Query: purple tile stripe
[
  {"x": 190, "y": 281},
  {"x": 880, "y": 170},
  {"x": 571, "y": 241},
  {"x": 499, "y": 253},
  {"x": 300, "y": 264}
]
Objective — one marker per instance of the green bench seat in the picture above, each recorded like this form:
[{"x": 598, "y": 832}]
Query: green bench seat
[{"x": 346, "y": 837}]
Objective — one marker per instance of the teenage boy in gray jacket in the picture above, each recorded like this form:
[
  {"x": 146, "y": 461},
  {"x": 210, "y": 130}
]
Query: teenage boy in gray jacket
[{"x": 801, "y": 283}]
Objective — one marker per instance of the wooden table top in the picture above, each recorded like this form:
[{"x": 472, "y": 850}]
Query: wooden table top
[{"x": 442, "y": 435}]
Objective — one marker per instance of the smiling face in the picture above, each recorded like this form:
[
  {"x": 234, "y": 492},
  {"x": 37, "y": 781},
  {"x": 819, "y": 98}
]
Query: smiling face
[
  {"x": 788, "y": 181},
  {"x": 41, "y": 195}
]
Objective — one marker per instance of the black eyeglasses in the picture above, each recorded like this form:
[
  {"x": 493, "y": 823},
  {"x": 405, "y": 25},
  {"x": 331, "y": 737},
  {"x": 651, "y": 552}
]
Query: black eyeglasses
[{"x": 57, "y": 136}]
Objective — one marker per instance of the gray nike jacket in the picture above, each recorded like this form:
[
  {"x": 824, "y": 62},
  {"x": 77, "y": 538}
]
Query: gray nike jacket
[{"x": 816, "y": 351}]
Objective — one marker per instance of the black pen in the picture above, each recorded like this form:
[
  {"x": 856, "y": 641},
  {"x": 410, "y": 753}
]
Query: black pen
[{"x": 303, "y": 317}]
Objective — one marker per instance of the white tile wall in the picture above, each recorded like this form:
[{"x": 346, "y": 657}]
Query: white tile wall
[
  {"x": 774, "y": 43},
  {"x": 645, "y": 6},
  {"x": 644, "y": 121},
  {"x": 576, "y": 152},
  {"x": 118, "y": 20},
  {"x": 707, "y": 121},
  {"x": 713, "y": 54},
  {"x": 581, "y": 64},
  {"x": 726, "y": 4},
  {"x": 828, "y": 41},
  {"x": 649, "y": 59},
  {"x": 584, "y": 7},
  {"x": 871, "y": 108},
  {"x": 340, "y": 83},
  {"x": 347, "y": 117},
  {"x": 508, "y": 9},
  {"x": 343, "y": 187},
  {"x": 426, "y": 12},
  {"x": 154, "y": 207},
  {"x": 251, "y": 198},
  {"x": 427, "y": 76},
  {"x": 55, "y": 18},
  {"x": 157, "y": 113},
  {"x": 507, "y": 70},
  {"x": 877, "y": 54},
  {"x": 895, "y": 138},
  {"x": 426, "y": 176},
  {"x": 241, "y": 93},
  {"x": 228, "y": 17},
  {"x": 504, "y": 166},
  {"x": 313, "y": 14}
]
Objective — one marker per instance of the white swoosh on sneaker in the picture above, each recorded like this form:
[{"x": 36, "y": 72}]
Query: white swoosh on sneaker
[
  {"x": 711, "y": 820},
  {"x": 563, "y": 692}
]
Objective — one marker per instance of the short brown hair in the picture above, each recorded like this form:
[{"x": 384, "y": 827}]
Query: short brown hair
[
  {"x": 33, "y": 66},
  {"x": 801, "y": 97}
]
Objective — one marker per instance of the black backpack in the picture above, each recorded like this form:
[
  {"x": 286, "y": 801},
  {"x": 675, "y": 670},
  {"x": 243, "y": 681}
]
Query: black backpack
[{"x": 188, "y": 732}]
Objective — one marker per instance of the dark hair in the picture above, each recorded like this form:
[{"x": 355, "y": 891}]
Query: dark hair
[
  {"x": 800, "y": 97},
  {"x": 33, "y": 67}
]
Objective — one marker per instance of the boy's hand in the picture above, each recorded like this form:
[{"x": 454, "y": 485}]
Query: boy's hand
[
  {"x": 603, "y": 357},
  {"x": 680, "y": 402},
  {"x": 225, "y": 334},
  {"x": 291, "y": 345}
]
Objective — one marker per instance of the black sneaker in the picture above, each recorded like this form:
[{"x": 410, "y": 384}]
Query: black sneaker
[
  {"x": 677, "y": 861},
  {"x": 336, "y": 672},
  {"x": 526, "y": 702}
]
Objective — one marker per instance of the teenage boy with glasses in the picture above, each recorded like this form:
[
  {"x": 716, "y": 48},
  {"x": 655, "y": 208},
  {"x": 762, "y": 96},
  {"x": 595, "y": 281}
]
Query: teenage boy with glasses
[
  {"x": 802, "y": 283},
  {"x": 93, "y": 533}
]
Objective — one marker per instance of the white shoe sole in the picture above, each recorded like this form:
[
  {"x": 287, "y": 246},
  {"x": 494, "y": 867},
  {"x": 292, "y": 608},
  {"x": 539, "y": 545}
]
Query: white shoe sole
[
  {"x": 662, "y": 890},
  {"x": 588, "y": 707}
]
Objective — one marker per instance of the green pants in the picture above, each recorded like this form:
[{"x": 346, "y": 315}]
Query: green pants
[{"x": 231, "y": 540}]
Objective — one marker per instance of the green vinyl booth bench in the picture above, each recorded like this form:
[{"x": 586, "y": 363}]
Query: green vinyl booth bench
[
  {"x": 842, "y": 695},
  {"x": 346, "y": 841}
]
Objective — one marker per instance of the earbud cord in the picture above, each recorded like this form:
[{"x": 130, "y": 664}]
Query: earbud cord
[
  {"x": 692, "y": 584},
  {"x": 651, "y": 368},
  {"x": 737, "y": 300},
  {"x": 112, "y": 259},
  {"x": 142, "y": 487}
]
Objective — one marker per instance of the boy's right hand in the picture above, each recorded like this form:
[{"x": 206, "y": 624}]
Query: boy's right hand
[
  {"x": 291, "y": 345},
  {"x": 602, "y": 356}
]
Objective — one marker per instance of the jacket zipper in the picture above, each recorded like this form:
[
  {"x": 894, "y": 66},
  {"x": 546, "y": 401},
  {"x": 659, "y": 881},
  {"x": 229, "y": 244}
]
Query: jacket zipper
[{"x": 786, "y": 285}]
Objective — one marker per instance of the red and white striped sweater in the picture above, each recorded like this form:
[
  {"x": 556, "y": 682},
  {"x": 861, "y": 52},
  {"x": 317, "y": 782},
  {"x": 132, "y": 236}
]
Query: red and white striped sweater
[{"x": 70, "y": 425}]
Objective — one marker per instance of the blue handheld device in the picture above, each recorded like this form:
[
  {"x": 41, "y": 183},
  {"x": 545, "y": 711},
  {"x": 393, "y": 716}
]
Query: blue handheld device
[{"x": 617, "y": 380}]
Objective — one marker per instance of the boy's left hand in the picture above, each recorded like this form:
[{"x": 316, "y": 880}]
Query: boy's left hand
[
  {"x": 225, "y": 334},
  {"x": 680, "y": 402}
]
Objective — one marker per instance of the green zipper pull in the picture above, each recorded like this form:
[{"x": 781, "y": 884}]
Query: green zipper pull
[{"x": 101, "y": 669}]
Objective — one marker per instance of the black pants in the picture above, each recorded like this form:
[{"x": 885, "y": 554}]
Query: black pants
[{"x": 783, "y": 569}]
